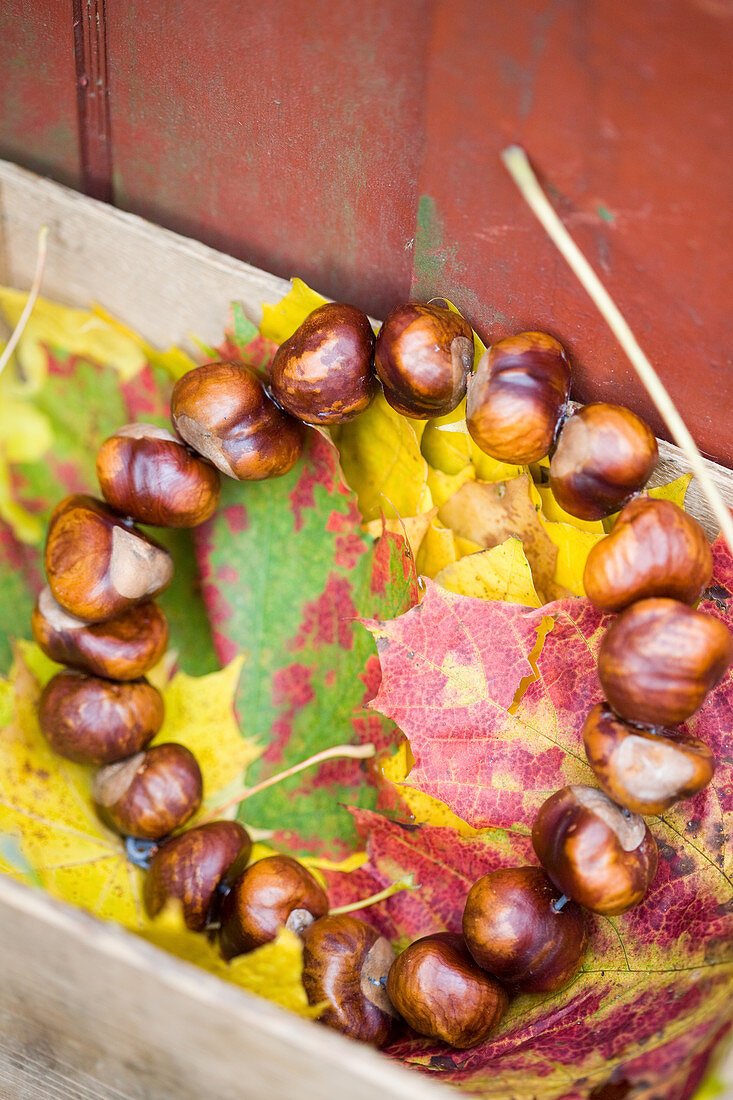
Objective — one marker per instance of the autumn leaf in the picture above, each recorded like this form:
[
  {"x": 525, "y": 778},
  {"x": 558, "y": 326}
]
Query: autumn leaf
[
  {"x": 76, "y": 405},
  {"x": 286, "y": 572},
  {"x": 636, "y": 1013},
  {"x": 494, "y": 728},
  {"x": 46, "y": 808}
]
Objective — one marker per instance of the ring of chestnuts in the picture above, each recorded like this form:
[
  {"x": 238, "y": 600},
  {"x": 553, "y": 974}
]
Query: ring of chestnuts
[{"x": 523, "y": 928}]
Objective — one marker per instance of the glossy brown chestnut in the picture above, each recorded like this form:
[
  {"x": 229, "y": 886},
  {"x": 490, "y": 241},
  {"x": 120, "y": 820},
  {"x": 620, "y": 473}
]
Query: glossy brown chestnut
[
  {"x": 98, "y": 565},
  {"x": 324, "y": 373},
  {"x": 596, "y": 853},
  {"x": 645, "y": 772},
  {"x": 273, "y": 893},
  {"x": 441, "y": 992},
  {"x": 659, "y": 659},
  {"x": 513, "y": 930},
  {"x": 223, "y": 412},
  {"x": 146, "y": 473},
  {"x": 95, "y": 721},
  {"x": 123, "y": 648},
  {"x": 655, "y": 549},
  {"x": 190, "y": 868},
  {"x": 346, "y": 963},
  {"x": 517, "y": 397},
  {"x": 149, "y": 794},
  {"x": 423, "y": 356},
  {"x": 604, "y": 454}
]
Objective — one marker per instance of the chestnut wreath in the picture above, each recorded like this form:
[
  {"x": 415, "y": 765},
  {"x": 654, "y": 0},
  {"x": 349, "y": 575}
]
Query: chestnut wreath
[{"x": 523, "y": 928}]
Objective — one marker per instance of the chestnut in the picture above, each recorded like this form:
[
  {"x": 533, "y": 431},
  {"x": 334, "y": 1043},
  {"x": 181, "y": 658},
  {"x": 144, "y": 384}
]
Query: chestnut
[
  {"x": 441, "y": 992},
  {"x": 605, "y": 453},
  {"x": 94, "y": 721},
  {"x": 149, "y": 794},
  {"x": 97, "y": 564},
  {"x": 514, "y": 930},
  {"x": 189, "y": 868},
  {"x": 596, "y": 853},
  {"x": 659, "y": 659},
  {"x": 346, "y": 963},
  {"x": 324, "y": 373},
  {"x": 146, "y": 473},
  {"x": 123, "y": 648},
  {"x": 517, "y": 397},
  {"x": 645, "y": 772},
  {"x": 223, "y": 412},
  {"x": 423, "y": 356},
  {"x": 654, "y": 549},
  {"x": 273, "y": 893}
]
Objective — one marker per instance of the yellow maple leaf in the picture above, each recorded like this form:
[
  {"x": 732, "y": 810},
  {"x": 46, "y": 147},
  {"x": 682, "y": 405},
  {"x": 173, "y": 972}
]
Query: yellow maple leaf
[
  {"x": 381, "y": 460},
  {"x": 51, "y": 831},
  {"x": 445, "y": 442},
  {"x": 437, "y": 550},
  {"x": 280, "y": 321},
  {"x": 199, "y": 714},
  {"x": 173, "y": 360},
  {"x": 77, "y": 331},
  {"x": 674, "y": 490},
  {"x": 500, "y": 573},
  {"x": 273, "y": 971}
]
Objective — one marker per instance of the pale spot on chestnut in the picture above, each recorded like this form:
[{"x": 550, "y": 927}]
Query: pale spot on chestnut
[{"x": 137, "y": 568}]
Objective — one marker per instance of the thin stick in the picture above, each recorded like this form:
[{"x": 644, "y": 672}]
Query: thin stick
[
  {"x": 516, "y": 161},
  {"x": 353, "y": 752},
  {"x": 406, "y": 883},
  {"x": 31, "y": 301}
]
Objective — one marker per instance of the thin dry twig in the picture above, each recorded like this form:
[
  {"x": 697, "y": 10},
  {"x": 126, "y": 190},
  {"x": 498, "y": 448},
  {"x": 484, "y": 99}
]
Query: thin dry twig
[
  {"x": 517, "y": 163},
  {"x": 32, "y": 296}
]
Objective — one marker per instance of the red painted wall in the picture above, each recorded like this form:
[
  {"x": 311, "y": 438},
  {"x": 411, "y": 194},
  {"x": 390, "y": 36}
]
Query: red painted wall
[{"x": 357, "y": 145}]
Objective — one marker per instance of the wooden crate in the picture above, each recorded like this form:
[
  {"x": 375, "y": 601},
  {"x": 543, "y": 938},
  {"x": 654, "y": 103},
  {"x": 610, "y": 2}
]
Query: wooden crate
[{"x": 88, "y": 1010}]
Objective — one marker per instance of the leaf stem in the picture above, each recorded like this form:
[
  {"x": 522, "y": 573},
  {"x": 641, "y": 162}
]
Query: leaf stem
[
  {"x": 31, "y": 300},
  {"x": 517, "y": 164},
  {"x": 354, "y": 752},
  {"x": 406, "y": 883}
]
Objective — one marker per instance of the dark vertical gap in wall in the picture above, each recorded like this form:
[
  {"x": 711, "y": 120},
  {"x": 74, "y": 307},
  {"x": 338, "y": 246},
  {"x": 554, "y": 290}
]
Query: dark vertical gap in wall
[{"x": 92, "y": 98}]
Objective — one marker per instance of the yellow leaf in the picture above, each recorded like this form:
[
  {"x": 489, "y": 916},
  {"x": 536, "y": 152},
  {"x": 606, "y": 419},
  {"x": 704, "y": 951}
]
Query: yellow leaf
[
  {"x": 382, "y": 463},
  {"x": 551, "y": 510},
  {"x": 445, "y": 442},
  {"x": 501, "y": 573},
  {"x": 199, "y": 713},
  {"x": 488, "y": 513},
  {"x": 425, "y": 809},
  {"x": 280, "y": 321},
  {"x": 174, "y": 361},
  {"x": 491, "y": 469},
  {"x": 273, "y": 971},
  {"x": 25, "y": 432},
  {"x": 412, "y": 528},
  {"x": 465, "y": 546},
  {"x": 77, "y": 331},
  {"x": 437, "y": 550},
  {"x": 673, "y": 490},
  {"x": 443, "y": 486},
  {"x": 573, "y": 544},
  {"x": 46, "y": 811}
]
